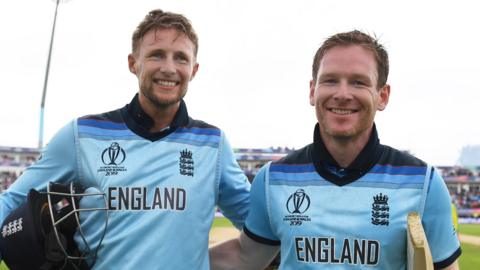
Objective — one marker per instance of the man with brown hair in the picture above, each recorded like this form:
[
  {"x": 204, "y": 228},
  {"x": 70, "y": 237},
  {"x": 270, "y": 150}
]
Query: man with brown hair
[
  {"x": 342, "y": 201},
  {"x": 162, "y": 172}
]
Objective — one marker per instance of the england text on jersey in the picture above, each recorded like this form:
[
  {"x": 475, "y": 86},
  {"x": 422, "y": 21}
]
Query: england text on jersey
[
  {"x": 139, "y": 198},
  {"x": 323, "y": 250}
]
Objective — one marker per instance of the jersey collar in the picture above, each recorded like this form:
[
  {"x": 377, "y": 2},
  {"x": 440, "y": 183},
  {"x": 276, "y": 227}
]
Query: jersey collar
[
  {"x": 140, "y": 122},
  {"x": 329, "y": 169}
]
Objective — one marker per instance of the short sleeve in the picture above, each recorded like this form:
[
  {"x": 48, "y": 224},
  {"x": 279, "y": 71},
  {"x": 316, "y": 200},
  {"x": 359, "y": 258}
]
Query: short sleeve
[
  {"x": 438, "y": 223},
  {"x": 57, "y": 163},
  {"x": 234, "y": 187},
  {"x": 257, "y": 225}
]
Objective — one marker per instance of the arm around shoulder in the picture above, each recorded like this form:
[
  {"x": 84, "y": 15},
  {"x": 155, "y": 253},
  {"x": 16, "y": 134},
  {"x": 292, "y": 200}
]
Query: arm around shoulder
[{"x": 241, "y": 253}]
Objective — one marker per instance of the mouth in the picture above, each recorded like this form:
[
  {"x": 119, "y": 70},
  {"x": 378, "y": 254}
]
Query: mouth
[
  {"x": 165, "y": 83},
  {"x": 342, "y": 111}
]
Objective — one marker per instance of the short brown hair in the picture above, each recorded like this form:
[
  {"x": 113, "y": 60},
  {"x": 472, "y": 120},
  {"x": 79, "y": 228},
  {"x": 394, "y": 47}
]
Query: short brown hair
[
  {"x": 159, "y": 19},
  {"x": 355, "y": 37}
]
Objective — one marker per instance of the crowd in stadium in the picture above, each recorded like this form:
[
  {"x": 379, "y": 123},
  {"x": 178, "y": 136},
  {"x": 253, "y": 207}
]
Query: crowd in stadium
[
  {"x": 463, "y": 198},
  {"x": 460, "y": 173},
  {"x": 6, "y": 179},
  {"x": 9, "y": 160},
  {"x": 467, "y": 199}
]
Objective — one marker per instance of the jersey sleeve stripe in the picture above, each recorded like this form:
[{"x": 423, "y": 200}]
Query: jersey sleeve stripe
[
  {"x": 399, "y": 170},
  {"x": 260, "y": 239},
  {"x": 102, "y": 124},
  {"x": 200, "y": 131},
  {"x": 449, "y": 260}
]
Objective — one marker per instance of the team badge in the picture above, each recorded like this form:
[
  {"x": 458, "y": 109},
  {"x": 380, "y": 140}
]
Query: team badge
[
  {"x": 112, "y": 157},
  {"x": 297, "y": 204},
  {"x": 186, "y": 163},
  {"x": 380, "y": 210}
]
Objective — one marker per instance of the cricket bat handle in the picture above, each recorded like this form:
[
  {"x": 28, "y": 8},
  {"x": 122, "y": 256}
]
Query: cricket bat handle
[{"x": 418, "y": 251}]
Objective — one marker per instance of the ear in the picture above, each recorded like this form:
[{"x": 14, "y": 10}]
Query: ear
[
  {"x": 131, "y": 63},
  {"x": 384, "y": 95},
  {"x": 312, "y": 92},
  {"x": 194, "y": 71}
]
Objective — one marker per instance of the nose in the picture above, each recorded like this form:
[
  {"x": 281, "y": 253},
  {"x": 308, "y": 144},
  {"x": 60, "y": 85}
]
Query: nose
[
  {"x": 343, "y": 92},
  {"x": 168, "y": 66}
]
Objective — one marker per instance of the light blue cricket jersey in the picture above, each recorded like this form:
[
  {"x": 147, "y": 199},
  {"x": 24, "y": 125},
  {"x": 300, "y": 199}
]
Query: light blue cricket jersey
[
  {"x": 161, "y": 188},
  {"x": 325, "y": 217}
]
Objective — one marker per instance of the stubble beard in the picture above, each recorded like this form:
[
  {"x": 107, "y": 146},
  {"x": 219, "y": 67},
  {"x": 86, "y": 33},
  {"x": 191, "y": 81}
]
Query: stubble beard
[
  {"x": 159, "y": 102},
  {"x": 342, "y": 135}
]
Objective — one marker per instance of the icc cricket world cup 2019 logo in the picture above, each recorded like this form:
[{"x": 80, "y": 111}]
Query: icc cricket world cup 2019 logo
[
  {"x": 112, "y": 157},
  {"x": 297, "y": 204},
  {"x": 113, "y": 153}
]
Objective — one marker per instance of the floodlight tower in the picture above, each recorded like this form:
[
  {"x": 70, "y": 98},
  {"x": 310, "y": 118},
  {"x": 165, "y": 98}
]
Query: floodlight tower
[{"x": 45, "y": 83}]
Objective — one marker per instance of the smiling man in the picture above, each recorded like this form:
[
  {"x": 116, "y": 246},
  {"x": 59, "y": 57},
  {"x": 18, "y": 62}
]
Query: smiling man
[
  {"x": 342, "y": 201},
  {"x": 164, "y": 61},
  {"x": 162, "y": 172}
]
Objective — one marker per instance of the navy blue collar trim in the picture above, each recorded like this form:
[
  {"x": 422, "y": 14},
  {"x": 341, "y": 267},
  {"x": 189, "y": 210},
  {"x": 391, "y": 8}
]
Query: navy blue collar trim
[
  {"x": 140, "y": 123},
  {"x": 329, "y": 169}
]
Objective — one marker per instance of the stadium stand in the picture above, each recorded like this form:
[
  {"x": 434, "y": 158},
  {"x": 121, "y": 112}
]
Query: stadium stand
[
  {"x": 252, "y": 159},
  {"x": 13, "y": 161}
]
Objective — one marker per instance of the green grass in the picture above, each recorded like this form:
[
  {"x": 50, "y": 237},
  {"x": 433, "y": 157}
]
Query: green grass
[
  {"x": 220, "y": 222},
  {"x": 469, "y": 260},
  {"x": 471, "y": 229},
  {"x": 3, "y": 266}
]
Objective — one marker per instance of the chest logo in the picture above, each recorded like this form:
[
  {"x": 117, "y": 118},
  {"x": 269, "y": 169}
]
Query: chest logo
[
  {"x": 297, "y": 204},
  {"x": 112, "y": 157},
  {"x": 186, "y": 164},
  {"x": 380, "y": 210}
]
